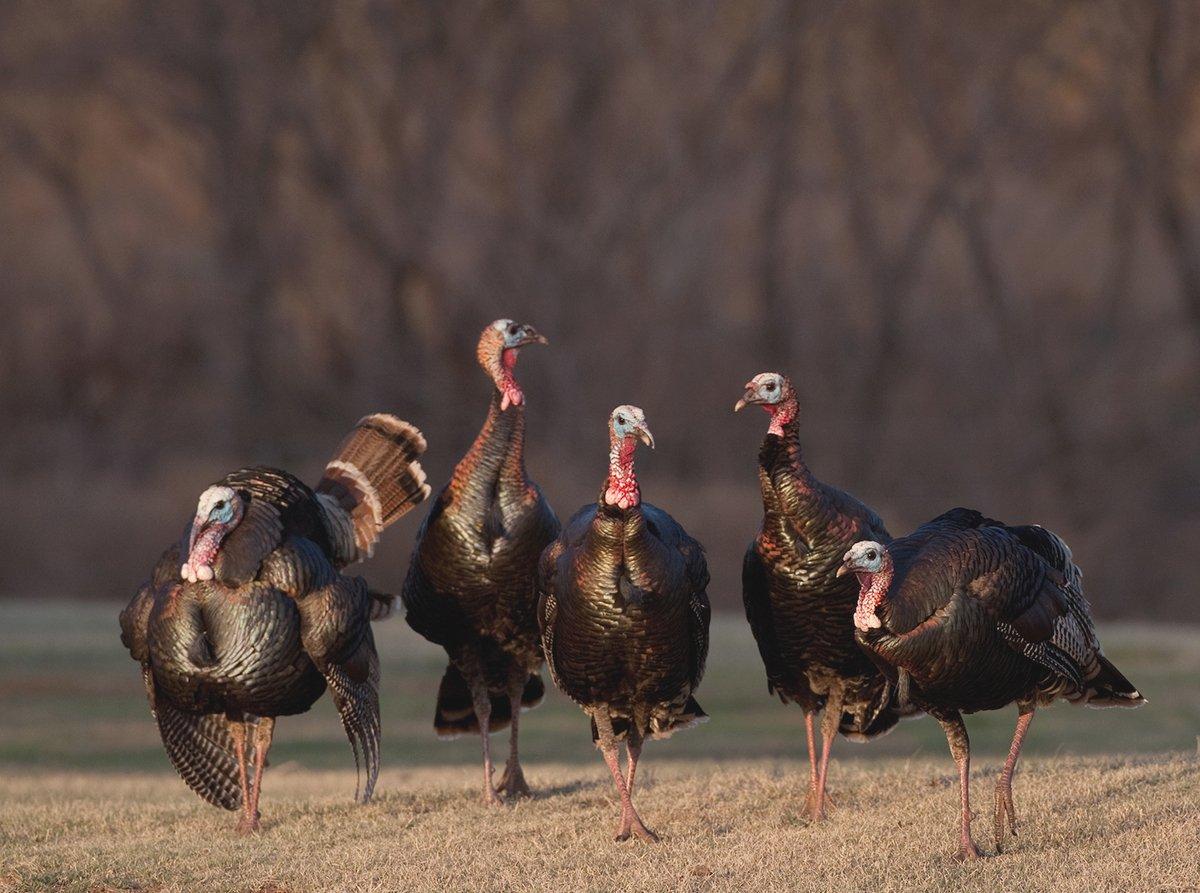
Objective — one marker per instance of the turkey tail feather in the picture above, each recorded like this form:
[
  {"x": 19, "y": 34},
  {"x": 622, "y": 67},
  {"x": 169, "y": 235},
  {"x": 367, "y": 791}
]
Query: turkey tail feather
[
  {"x": 455, "y": 712},
  {"x": 375, "y": 477},
  {"x": 383, "y": 605},
  {"x": 1110, "y": 688},
  {"x": 201, "y": 749}
]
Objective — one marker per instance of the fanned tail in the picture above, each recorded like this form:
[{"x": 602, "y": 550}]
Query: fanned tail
[{"x": 373, "y": 480}]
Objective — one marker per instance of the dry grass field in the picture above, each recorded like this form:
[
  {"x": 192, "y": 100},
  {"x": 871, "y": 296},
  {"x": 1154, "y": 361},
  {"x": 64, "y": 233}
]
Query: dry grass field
[{"x": 1108, "y": 799}]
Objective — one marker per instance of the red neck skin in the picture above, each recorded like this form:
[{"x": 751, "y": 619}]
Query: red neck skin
[
  {"x": 872, "y": 591},
  {"x": 202, "y": 549},
  {"x": 621, "y": 488},
  {"x": 506, "y": 383},
  {"x": 782, "y": 414}
]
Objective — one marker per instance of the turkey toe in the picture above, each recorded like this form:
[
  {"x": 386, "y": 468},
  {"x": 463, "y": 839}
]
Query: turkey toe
[{"x": 513, "y": 784}]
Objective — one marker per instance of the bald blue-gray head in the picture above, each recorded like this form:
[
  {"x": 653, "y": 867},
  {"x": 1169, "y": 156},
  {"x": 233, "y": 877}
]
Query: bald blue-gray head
[
  {"x": 218, "y": 511},
  {"x": 866, "y": 557}
]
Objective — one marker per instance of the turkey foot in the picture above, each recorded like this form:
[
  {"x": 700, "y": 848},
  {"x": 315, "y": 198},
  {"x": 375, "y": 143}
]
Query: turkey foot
[
  {"x": 1006, "y": 814},
  {"x": 815, "y": 809},
  {"x": 490, "y": 797},
  {"x": 967, "y": 851},
  {"x": 248, "y": 824},
  {"x": 512, "y": 782},
  {"x": 631, "y": 823}
]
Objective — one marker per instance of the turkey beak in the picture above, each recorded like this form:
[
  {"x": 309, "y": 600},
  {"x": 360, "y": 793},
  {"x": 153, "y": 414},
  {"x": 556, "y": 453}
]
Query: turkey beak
[
  {"x": 747, "y": 398},
  {"x": 644, "y": 435},
  {"x": 530, "y": 335},
  {"x": 844, "y": 568}
]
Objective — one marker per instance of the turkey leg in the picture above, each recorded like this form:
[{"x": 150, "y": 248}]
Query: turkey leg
[
  {"x": 483, "y": 713},
  {"x": 512, "y": 782},
  {"x": 631, "y": 822},
  {"x": 1004, "y": 802},
  {"x": 832, "y": 718},
  {"x": 237, "y": 729},
  {"x": 812, "y": 757},
  {"x": 960, "y": 749},
  {"x": 633, "y": 749},
  {"x": 264, "y": 731}
]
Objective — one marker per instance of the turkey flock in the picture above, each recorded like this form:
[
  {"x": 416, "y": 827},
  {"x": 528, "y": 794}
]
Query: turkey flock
[{"x": 251, "y": 615}]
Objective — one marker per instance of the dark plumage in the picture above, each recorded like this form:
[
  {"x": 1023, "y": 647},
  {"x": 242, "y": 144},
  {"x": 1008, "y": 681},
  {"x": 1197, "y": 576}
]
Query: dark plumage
[
  {"x": 249, "y": 617},
  {"x": 968, "y": 614},
  {"x": 799, "y": 610},
  {"x": 624, "y": 616},
  {"x": 470, "y": 584}
]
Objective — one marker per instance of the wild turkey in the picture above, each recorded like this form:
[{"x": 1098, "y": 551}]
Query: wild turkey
[
  {"x": 967, "y": 614},
  {"x": 795, "y": 603},
  {"x": 248, "y": 618},
  {"x": 624, "y": 615},
  {"x": 470, "y": 584}
]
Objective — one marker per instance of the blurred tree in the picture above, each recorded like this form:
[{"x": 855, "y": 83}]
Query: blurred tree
[{"x": 969, "y": 232}]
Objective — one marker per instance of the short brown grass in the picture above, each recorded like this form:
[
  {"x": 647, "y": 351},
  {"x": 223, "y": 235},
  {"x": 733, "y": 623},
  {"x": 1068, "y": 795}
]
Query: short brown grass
[
  {"x": 1089, "y": 824},
  {"x": 1109, "y": 800}
]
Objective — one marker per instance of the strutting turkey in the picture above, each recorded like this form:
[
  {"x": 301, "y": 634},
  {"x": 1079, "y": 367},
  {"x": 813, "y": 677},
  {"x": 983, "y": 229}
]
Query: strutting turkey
[
  {"x": 798, "y": 607},
  {"x": 249, "y": 617},
  {"x": 624, "y": 615},
  {"x": 470, "y": 583},
  {"x": 968, "y": 614}
]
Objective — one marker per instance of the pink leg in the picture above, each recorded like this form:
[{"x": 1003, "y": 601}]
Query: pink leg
[
  {"x": 631, "y": 822},
  {"x": 960, "y": 749},
  {"x": 512, "y": 782},
  {"x": 818, "y": 802},
  {"x": 812, "y": 752},
  {"x": 1004, "y": 802},
  {"x": 483, "y": 713},
  {"x": 238, "y": 729},
  {"x": 264, "y": 731}
]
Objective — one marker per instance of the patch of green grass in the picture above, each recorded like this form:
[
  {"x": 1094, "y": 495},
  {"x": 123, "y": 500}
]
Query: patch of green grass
[{"x": 72, "y": 699}]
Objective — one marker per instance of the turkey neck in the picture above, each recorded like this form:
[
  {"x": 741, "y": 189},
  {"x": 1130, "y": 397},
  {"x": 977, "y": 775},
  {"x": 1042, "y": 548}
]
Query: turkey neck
[
  {"x": 795, "y": 503},
  {"x": 496, "y": 460},
  {"x": 622, "y": 532},
  {"x": 783, "y": 476},
  {"x": 872, "y": 592},
  {"x": 621, "y": 480}
]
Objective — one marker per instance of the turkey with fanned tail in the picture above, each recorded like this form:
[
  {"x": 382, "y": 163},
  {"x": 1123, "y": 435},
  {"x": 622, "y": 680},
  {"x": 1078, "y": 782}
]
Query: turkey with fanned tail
[
  {"x": 968, "y": 614},
  {"x": 249, "y": 617},
  {"x": 797, "y": 606},
  {"x": 624, "y": 614},
  {"x": 470, "y": 583}
]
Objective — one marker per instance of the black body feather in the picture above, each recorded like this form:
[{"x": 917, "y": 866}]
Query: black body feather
[
  {"x": 798, "y": 609},
  {"x": 624, "y": 616},
  {"x": 470, "y": 582},
  {"x": 981, "y": 615},
  {"x": 276, "y": 625}
]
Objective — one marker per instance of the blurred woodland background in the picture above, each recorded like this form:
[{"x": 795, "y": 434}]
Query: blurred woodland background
[{"x": 969, "y": 231}]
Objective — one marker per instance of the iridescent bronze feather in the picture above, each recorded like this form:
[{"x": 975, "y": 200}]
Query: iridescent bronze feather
[
  {"x": 263, "y": 619},
  {"x": 978, "y": 615},
  {"x": 798, "y": 610},
  {"x": 470, "y": 582},
  {"x": 624, "y": 614}
]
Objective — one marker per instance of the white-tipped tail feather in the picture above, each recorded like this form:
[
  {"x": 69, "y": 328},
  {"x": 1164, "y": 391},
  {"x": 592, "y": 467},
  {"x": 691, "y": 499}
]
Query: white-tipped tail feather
[
  {"x": 383, "y": 605},
  {"x": 372, "y": 481}
]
